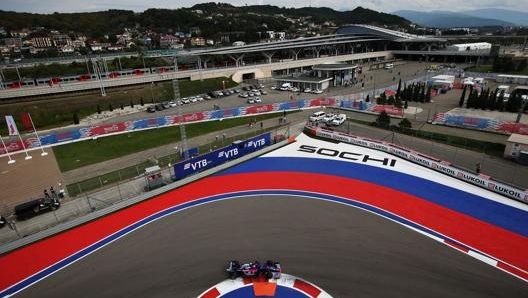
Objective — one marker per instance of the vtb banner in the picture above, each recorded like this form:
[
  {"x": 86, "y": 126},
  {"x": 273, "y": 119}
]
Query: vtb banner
[{"x": 11, "y": 125}]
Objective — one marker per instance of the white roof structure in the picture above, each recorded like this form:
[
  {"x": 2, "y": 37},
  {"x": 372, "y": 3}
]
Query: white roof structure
[{"x": 518, "y": 138}]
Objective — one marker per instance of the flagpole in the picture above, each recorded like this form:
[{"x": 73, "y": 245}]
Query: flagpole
[
  {"x": 44, "y": 153},
  {"x": 11, "y": 161},
  {"x": 24, "y": 146}
]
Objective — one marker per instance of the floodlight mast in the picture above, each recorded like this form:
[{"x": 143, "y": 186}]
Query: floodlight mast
[{"x": 183, "y": 134}]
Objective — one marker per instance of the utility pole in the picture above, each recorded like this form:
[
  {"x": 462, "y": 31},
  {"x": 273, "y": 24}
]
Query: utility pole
[
  {"x": 183, "y": 134},
  {"x": 97, "y": 72}
]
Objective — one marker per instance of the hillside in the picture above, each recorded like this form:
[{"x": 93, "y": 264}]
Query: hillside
[
  {"x": 449, "y": 19},
  {"x": 210, "y": 18}
]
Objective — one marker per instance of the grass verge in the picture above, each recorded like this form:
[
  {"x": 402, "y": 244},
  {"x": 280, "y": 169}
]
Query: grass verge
[{"x": 75, "y": 155}]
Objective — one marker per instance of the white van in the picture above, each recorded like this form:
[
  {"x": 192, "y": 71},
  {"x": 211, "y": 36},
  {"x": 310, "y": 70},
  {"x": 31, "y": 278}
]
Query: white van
[
  {"x": 388, "y": 66},
  {"x": 286, "y": 86},
  {"x": 317, "y": 116}
]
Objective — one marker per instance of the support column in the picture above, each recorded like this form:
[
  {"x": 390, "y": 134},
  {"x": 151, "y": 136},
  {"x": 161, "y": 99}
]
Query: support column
[
  {"x": 268, "y": 55},
  {"x": 236, "y": 59},
  {"x": 295, "y": 54}
]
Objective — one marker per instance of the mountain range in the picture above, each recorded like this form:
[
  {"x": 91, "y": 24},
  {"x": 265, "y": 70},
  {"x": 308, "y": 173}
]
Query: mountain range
[{"x": 470, "y": 18}]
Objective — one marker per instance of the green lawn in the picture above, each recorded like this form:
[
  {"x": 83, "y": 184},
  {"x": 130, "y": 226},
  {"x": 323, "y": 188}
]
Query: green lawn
[{"x": 79, "y": 154}]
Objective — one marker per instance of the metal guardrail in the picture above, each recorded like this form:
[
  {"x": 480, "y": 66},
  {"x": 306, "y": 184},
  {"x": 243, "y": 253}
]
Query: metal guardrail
[{"x": 129, "y": 202}]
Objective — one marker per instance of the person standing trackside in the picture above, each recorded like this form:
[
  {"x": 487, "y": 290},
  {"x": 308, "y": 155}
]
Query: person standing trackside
[
  {"x": 477, "y": 168},
  {"x": 53, "y": 193},
  {"x": 261, "y": 125}
]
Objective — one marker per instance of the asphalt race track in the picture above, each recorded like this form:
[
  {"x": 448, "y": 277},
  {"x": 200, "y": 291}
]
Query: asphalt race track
[
  {"x": 347, "y": 251},
  {"x": 340, "y": 224}
]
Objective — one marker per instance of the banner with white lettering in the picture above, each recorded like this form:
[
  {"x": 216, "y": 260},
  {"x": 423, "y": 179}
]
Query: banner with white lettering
[
  {"x": 220, "y": 156},
  {"x": 426, "y": 161}
]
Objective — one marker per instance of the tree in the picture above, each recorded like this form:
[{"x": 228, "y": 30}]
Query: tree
[
  {"x": 382, "y": 99},
  {"x": 462, "y": 97},
  {"x": 483, "y": 98},
  {"x": 405, "y": 125},
  {"x": 416, "y": 93},
  {"x": 492, "y": 98},
  {"x": 398, "y": 103},
  {"x": 499, "y": 103},
  {"x": 383, "y": 120},
  {"x": 75, "y": 118},
  {"x": 472, "y": 101},
  {"x": 391, "y": 100},
  {"x": 428, "y": 94},
  {"x": 398, "y": 91},
  {"x": 422, "y": 93}
]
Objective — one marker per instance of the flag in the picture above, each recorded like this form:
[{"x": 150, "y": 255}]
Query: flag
[
  {"x": 11, "y": 125},
  {"x": 27, "y": 122}
]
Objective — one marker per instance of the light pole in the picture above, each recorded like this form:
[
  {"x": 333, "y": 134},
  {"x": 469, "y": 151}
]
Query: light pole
[{"x": 151, "y": 94}]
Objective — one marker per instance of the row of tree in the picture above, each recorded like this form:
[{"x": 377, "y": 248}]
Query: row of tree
[
  {"x": 417, "y": 92},
  {"x": 493, "y": 100}
]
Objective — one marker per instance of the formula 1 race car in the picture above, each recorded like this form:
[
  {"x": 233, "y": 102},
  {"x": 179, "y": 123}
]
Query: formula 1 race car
[{"x": 270, "y": 269}]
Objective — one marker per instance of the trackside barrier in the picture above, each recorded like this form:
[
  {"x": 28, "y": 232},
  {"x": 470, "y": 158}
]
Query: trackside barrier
[
  {"x": 480, "y": 123},
  {"x": 438, "y": 165},
  {"x": 91, "y": 215},
  {"x": 220, "y": 156},
  {"x": 87, "y": 133}
]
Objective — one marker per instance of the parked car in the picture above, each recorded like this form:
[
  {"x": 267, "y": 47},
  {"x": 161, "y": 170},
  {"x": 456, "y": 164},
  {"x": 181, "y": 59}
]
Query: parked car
[
  {"x": 328, "y": 118},
  {"x": 151, "y": 109},
  {"x": 308, "y": 90},
  {"x": 35, "y": 207},
  {"x": 251, "y": 100},
  {"x": 158, "y": 107},
  {"x": 3, "y": 221},
  {"x": 338, "y": 120},
  {"x": 172, "y": 104},
  {"x": 317, "y": 91},
  {"x": 317, "y": 116},
  {"x": 257, "y": 99}
]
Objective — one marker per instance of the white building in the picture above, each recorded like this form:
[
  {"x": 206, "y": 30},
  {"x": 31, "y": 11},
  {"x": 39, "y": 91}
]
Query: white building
[{"x": 476, "y": 46}]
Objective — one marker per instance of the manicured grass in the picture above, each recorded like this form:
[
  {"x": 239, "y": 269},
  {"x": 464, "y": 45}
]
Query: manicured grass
[
  {"x": 94, "y": 183},
  {"x": 79, "y": 154}
]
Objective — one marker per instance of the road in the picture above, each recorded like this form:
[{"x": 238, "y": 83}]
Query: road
[{"x": 346, "y": 251}]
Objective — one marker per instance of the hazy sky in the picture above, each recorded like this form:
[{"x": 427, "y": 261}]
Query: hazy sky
[{"x": 50, "y": 6}]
